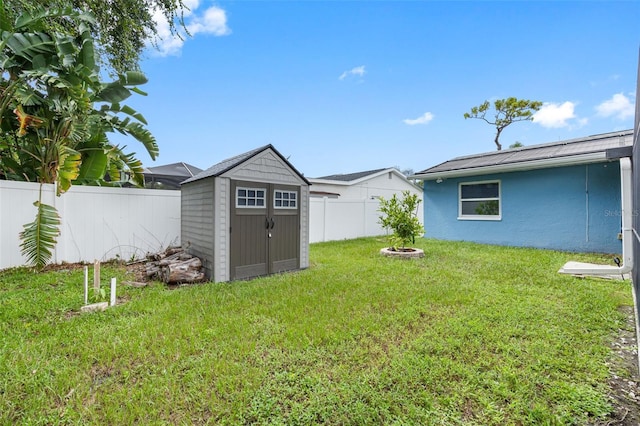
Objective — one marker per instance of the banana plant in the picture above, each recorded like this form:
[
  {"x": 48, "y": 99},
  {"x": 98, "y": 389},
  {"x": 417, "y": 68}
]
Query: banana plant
[{"x": 55, "y": 114}]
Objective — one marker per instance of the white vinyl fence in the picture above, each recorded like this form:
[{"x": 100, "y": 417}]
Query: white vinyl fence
[
  {"x": 124, "y": 223},
  {"x": 334, "y": 219},
  {"x": 97, "y": 222}
]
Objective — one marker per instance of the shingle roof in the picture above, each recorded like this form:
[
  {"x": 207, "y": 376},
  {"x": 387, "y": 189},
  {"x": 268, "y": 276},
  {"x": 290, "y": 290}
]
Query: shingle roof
[
  {"x": 538, "y": 154},
  {"x": 350, "y": 176},
  {"x": 230, "y": 163},
  {"x": 174, "y": 169}
]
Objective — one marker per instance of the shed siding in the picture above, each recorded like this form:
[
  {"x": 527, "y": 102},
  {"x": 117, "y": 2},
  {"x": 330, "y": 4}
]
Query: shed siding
[
  {"x": 264, "y": 167},
  {"x": 222, "y": 214},
  {"x": 573, "y": 208},
  {"x": 304, "y": 226},
  {"x": 197, "y": 219}
]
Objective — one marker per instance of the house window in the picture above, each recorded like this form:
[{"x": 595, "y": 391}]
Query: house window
[
  {"x": 285, "y": 199},
  {"x": 480, "y": 201},
  {"x": 250, "y": 197}
]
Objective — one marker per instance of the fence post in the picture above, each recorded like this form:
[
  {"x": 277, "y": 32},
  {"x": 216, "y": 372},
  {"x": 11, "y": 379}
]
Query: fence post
[
  {"x": 324, "y": 218},
  {"x": 96, "y": 277}
]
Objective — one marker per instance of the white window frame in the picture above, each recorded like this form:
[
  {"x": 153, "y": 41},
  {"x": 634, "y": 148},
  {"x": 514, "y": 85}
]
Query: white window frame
[
  {"x": 480, "y": 216},
  {"x": 247, "y": 198},
  {"x": 282, "y": 199}
]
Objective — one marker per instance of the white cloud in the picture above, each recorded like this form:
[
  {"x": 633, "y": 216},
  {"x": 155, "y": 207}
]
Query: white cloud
[
  {"x": 423, "y": 119},
  {"x": 359, "y": 71},
  {"x": 212, "y": 21},
  {"x": 190, "y": 5},
  {"x": 619, "y": 106},
  {"x": 554, "y": 115}
]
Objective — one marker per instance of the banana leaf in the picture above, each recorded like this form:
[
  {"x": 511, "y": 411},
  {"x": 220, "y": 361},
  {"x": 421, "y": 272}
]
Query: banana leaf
[{"x": 39, "y": 237}]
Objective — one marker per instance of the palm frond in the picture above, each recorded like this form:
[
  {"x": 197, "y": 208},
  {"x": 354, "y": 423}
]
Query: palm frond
[
  {"x": 124, "y": 168},
  {"x": 28, "y": 45},
  {"x": 35, "y": 18},
  {"x": 135, "y": 167},
  {"x": 137, "y": 130},
  {"x": 39, "y": 237}
]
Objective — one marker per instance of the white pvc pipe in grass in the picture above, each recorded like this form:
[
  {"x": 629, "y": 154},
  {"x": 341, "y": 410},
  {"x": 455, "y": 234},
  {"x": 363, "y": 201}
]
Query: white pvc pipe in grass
[
  {"x": 86, "y": 284},
  {"x": 113, "y": 292}
]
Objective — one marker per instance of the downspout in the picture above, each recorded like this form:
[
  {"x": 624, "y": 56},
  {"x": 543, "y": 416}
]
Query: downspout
[
  {"x": 626, "y": 191},
  {"x": 586, "y": 196}
]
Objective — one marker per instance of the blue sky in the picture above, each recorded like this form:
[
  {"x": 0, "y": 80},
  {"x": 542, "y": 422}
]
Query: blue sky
[{"x": 347, "y": 86}]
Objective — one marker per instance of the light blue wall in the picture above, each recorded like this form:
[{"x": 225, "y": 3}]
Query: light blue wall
[{"x": 574, "y": 208}]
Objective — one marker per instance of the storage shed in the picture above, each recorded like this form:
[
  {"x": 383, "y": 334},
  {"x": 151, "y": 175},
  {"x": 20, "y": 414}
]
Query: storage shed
[{"x": 247, "y": 216}]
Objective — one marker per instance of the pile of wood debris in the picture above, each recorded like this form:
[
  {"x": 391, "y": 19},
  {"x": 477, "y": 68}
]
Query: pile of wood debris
[{"x": 173, "y": 266}]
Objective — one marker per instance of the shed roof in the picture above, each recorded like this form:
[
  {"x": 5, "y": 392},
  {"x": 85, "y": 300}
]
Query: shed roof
[
  {"x": 569, "y": 152},
  {"x": 228, "y": 164}
]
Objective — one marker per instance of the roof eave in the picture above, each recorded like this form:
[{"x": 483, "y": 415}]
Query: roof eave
[
  {"x": 330, "y": 182},
  {"x": 592, "y": 157}
]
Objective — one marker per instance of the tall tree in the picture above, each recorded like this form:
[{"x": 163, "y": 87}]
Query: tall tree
[
  {"x": 55, "y": 113},
  {"x": 121, "y": 28},
  {"x": 506, "y": 112}
]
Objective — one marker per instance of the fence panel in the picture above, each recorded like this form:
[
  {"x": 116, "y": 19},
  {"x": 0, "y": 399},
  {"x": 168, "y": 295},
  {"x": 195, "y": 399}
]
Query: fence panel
[
  {"x": 97, "y": 222},
  {"x": 334, "y": 219},
  {"x": 108, "y": 223}
]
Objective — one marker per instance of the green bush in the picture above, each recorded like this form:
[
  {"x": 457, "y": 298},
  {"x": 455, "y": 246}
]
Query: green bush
[{"x": 400, "y": 216}]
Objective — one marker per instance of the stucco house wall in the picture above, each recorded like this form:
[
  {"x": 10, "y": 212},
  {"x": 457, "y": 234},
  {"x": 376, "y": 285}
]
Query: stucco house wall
[{"x": 573, "y": 208}]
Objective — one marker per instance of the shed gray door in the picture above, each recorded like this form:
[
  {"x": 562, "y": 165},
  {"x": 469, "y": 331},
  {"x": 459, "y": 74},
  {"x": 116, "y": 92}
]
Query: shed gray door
[
  {"x": 284, "y": 233},
  {"x": 265, "y": 229}
]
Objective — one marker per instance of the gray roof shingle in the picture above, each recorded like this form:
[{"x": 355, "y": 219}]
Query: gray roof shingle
[
  {"x": 538, "y": 153},
  {"x": 228, "y": 164},
  {"x": 174, "y": 169},
  {"x": 350, "y": 176}
]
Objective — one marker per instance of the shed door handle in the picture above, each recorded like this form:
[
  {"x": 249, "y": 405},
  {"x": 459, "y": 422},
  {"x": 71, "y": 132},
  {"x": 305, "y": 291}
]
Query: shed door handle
[
  {"x": 266, "y": 219},
  {"x": 273, "y": 223}
]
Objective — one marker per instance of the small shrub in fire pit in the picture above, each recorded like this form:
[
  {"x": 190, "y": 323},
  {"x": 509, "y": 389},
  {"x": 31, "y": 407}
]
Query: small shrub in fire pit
[{"x": 400, "y": 216}]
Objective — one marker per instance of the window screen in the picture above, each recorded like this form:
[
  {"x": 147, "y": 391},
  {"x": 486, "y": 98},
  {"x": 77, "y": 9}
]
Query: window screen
[{"x": 480, "y": 200}]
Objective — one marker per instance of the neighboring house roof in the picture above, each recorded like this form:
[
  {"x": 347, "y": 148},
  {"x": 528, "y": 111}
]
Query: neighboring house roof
[
  {"x": 175, "y": 169},
  {"x": 228, "y": 164},
  {"x": 356, "y": 178},
  {"x": 168, "y": 176},
  {"x": 585, "y": 150},
  {"x": 350, "y": 176},
  {"x": 325, "y": 193}
]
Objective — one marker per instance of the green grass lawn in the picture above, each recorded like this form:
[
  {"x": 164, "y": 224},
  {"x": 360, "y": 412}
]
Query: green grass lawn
[{"x": 471, "y": 334}]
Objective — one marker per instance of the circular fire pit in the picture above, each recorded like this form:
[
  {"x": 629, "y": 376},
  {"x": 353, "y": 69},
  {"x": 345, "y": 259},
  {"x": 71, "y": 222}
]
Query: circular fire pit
[{"x": 407, "y": 253}]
